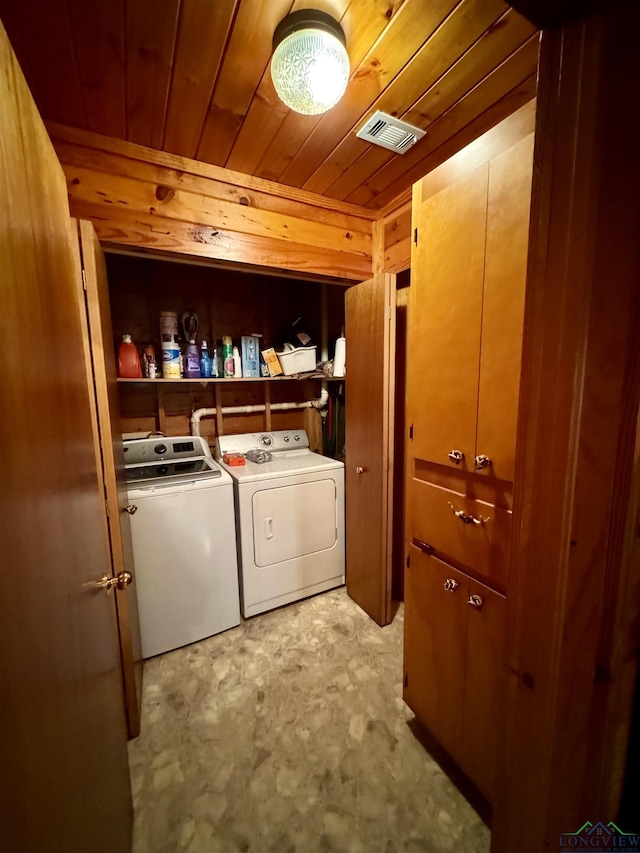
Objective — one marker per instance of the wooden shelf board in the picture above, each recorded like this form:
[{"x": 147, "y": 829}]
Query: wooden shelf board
[{"x": 232, "y": 379}]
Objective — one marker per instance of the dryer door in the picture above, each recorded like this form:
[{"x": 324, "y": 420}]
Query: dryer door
[{"x": 292, "y": 521}]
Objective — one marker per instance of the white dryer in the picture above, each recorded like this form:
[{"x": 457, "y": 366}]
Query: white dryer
[{"x": 289, "y": 519}]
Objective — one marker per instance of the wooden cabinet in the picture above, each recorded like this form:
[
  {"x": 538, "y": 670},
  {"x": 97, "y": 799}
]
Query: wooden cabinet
[
  {"x": 467, "y": 305},
  {"x": 454, "y": 683},
  {"x": 465, "y": 337}
]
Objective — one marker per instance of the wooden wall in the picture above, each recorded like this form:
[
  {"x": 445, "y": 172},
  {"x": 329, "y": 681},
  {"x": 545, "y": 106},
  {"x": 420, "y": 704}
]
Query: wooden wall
[{"x": 151, "y": 200}]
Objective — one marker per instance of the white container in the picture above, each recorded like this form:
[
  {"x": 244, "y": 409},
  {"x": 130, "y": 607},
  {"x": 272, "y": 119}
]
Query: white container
[
  {"x": 168, "y": 325},
  {"x": 297, "y": 359},
  {"x": 339, "y": 359},
  {"x": 170, "y": 360},
  {"x": 237, "y": 364}
]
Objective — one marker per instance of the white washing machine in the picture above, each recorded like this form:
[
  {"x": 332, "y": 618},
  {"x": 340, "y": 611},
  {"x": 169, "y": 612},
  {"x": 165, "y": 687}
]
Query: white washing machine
[
  {"x": 184, "y": 549},
  {"x": 289, "y": 519}
]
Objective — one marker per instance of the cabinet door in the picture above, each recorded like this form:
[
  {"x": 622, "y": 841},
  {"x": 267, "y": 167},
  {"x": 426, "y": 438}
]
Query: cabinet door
[
  {"x": 484, "y": 686},
  {"x": 446, "y": 307},
  {"x": 503, "y": 306},
  {"x": 370, "y": 332},
  {"x": 435, "y": 632}
]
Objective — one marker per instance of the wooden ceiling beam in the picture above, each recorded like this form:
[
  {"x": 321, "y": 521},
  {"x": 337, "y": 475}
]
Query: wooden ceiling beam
[{"x": 179, "y": 165}]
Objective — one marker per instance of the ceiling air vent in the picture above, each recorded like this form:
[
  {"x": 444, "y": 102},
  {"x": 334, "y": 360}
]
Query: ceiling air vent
[{"x": 390, "y": 132}]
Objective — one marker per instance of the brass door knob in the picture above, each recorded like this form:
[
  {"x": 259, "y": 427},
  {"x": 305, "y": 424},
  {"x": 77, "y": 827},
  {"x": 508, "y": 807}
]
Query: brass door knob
[
  {"x": 132, "y": 509},
  {"x": 119, "y": 581}
]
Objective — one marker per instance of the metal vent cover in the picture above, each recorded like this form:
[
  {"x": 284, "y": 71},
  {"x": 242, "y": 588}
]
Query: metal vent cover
[{"x": 389, "y": 132}]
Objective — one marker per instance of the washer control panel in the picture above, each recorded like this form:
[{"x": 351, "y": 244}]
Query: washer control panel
[
  {"x": 279, "y": 441},
  {"x": 139, "y": 451}
]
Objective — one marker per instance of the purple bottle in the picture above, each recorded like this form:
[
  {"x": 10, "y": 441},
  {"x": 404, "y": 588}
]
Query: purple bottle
[{"x": 192, "y": 361}]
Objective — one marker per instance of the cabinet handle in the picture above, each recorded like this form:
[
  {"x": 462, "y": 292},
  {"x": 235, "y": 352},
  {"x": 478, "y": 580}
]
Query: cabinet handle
[
  {"x": 132, "y": 509},
  {"x": 456, "y": 456},
  {"x": 483, "y": 461},
  {"x": 423, "y": 546},
  {"x": 451, "y": 585},
  {"x": 465, "y": 518},
  {"x": 476, "y": 601},
  {"x": 359, "y": 469}
]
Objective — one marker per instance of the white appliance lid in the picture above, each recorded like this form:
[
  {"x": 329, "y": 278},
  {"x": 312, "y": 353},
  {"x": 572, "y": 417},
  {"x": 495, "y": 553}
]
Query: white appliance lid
[{"x": 282, "y": 465}]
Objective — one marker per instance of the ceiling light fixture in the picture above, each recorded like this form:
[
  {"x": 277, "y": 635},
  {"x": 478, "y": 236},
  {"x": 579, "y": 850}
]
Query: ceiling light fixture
[{"x": 310, "y": 64}]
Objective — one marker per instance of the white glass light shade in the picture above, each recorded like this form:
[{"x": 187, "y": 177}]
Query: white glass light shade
[{"x": 310, "y": 70}]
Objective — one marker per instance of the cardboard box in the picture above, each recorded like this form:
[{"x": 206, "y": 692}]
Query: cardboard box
[{"x": 272, "y": 362}]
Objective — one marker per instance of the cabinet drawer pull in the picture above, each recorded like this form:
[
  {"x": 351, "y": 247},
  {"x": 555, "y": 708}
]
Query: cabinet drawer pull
[
  {"x": 456, "y": 456},
  {"x": 465, "y": 518},
  {"x": 483, "y": 461},
  {"x": 423, "y": 546},
  {"x": 476, "y": 601},
  {"x": 132, "y": 509},
  {"x": 451, "y": 585}
]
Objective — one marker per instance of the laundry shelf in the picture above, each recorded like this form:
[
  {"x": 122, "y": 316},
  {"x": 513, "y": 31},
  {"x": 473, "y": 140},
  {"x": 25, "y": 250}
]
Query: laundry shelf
[{"x": 295, "y": 377}]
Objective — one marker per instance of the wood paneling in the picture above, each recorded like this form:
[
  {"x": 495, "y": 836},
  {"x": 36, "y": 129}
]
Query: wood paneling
[
  {"x": 46, "y": 40},
  {"x": 432, "y": 82},
  {"x": 502, "y": 92},
  {"x": 193, "y": 78},
  {"x": 139, "y": 197},
  {"x": 397, "y": 240},
  {"x": 573, "y": 606},
  {"x": 246, "y": 56},
  {"x": 65, "y": 783},
  {"x": 202, "y": 36},
  {"x": 98, "y": 46},
  {"x": 150, "y": 43}
]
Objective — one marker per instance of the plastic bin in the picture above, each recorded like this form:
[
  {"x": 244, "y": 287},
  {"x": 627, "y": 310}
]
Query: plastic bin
[{"x": 297, "y": 359}]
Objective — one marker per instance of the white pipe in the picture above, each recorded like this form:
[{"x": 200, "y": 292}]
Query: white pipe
[{"x": 320, "y": 403}]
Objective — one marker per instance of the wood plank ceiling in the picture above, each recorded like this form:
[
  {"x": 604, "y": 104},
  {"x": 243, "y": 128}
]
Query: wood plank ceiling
[{"x": 191, "y": 77}]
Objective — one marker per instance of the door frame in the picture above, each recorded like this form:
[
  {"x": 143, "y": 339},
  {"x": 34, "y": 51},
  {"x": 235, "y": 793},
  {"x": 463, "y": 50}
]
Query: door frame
[{"x": 575, "y": 593}]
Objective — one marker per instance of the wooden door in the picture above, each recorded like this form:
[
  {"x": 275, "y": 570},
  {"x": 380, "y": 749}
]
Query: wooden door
[
  {"x": 370, "y": 333},
  {"x": 65, "y": 780},
  {"x": 446, "y": 307},
  {"x": 435, "y": 629},
  {"x": 509, "y": 203},
  {"x": 110, "y": 438},
  {"x": 485, "y": 685}
]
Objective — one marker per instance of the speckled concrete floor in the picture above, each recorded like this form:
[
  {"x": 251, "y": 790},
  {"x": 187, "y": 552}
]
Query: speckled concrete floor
[{"x": 288, "y": 734}]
